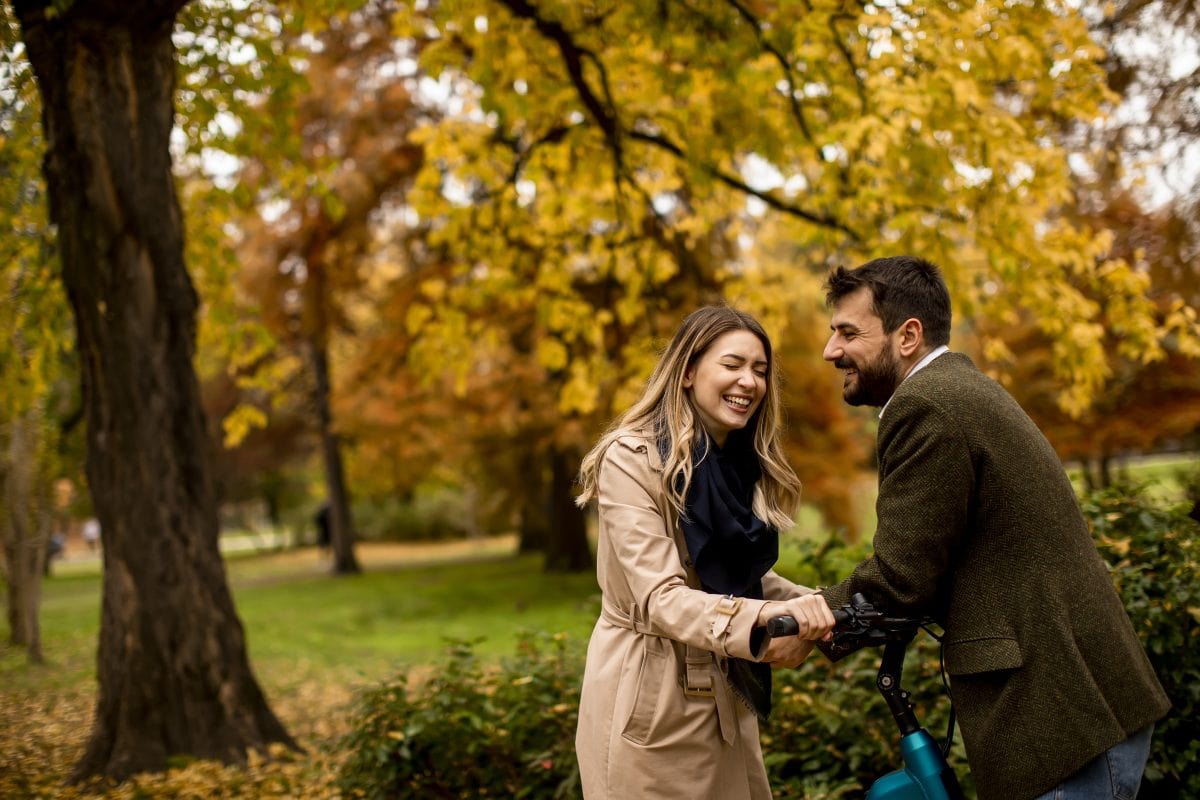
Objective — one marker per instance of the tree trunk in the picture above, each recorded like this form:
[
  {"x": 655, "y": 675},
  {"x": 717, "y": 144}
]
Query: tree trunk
[
  {"x": 12, "y": 598},
  {"x": 341, "y": 523},
  {"x": 567, "y": 548},
  {"x": 1105, "y": 470},
  {"x": 173, "y": 673},
  {"x": 534, "y": 502},
  {"x": 26, "y": 535}
]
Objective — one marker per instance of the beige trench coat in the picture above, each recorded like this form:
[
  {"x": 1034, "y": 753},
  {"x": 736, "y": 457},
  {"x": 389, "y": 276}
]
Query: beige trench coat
[{"x": 656, "y": 716}]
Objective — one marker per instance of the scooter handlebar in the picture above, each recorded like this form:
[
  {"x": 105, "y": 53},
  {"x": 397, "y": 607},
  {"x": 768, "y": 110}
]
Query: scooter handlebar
[
  {"x": 787, "y": 626},
  {"x": 853, "y": 622}
]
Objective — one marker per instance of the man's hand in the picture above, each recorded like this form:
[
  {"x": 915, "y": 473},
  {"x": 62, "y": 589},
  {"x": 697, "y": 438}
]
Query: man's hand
[{"x": 814, "y": 619}]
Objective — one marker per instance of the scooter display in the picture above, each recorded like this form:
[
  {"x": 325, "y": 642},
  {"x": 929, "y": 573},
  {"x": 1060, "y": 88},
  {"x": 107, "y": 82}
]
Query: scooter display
[{"x": 926, "y": 775}]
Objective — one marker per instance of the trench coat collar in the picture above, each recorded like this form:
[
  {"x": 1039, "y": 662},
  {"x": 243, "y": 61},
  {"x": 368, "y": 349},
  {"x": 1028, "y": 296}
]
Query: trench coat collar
[{"x": 642, "y": 442}]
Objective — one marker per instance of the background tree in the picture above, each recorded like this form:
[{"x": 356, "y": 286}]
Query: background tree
[
  {"x": 1133, "y": 183},
  {"x": 603, "y": 152},
  {"x": 172, "y": 665},
  {"x": 35, "y": 365},
  {"x": 310, "y": 255},
  {"x": 1144, "y": 405}
]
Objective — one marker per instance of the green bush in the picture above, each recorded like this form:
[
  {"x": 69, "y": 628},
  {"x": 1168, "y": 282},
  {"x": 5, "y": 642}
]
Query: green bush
[
  {"x": 475, "y": 731},
  {"x": 830, "y": 732},
  {"x": 1153, "y": 556},
  {"x": 472, "y": 731},
  {"x": 432, "y": 513}
]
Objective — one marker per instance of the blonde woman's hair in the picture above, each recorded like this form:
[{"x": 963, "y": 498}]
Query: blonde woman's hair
[{"x": 664, "y": 412}]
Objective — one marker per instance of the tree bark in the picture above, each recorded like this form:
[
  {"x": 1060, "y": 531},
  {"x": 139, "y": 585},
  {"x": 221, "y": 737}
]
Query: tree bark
[
  {"x": 172, "y": 666},
  {"x": 533, "y": 498},
  {"x": 26, "y": 535},
  {"x": 341, "y": 523},
  {"x": 1105, "y": 470},
  {"x": 567, "y": 549}
]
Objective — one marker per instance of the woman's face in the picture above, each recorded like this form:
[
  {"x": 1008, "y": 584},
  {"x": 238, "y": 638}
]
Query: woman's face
[{"x": 728, "y": 382}]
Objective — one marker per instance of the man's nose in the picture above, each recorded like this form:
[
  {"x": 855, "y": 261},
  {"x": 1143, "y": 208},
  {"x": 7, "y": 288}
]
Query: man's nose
[{"x": 833, "y": 350}]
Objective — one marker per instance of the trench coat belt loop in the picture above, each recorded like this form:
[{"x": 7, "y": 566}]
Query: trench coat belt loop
[
  {"x": 631, "y": 621},
  {"x": 700, "y": 680}
]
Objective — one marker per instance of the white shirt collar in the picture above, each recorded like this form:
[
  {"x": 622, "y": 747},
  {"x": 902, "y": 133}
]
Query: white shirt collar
[{"x": 924, "y": 362}]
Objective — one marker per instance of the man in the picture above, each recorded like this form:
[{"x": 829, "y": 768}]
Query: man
[{"x": 979, "y": 527}]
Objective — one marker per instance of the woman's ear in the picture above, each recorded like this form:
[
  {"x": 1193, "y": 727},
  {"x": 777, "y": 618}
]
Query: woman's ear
[{"x": 689, "y": 377}]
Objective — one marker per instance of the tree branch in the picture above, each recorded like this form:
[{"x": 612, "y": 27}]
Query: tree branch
[
  {"x": 784, "y": 63},
  {"x": 573, "y": 56},
  {"x": 606, "y": 117},
  {"x": 734, "y": 182}
]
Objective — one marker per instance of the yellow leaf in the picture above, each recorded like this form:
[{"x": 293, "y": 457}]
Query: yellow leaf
[
  {"x": 239, "y": 422},
  {"x": 416, "y": 317},
  {"x": 552, "y": 354}
]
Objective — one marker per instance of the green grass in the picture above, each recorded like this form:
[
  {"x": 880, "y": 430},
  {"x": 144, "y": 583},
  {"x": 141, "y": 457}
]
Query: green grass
[
  {"x": 302, "y": 624},
  {"x": 1163, "y": 473},
  {"x": 381, "y": 621}
]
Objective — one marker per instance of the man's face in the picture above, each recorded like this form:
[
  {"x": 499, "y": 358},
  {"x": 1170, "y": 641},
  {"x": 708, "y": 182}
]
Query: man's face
[{"x": 860, "y": 348}]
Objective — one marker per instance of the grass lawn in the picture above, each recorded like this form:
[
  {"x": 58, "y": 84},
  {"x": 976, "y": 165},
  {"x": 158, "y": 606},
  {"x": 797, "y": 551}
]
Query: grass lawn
[
  {"x": 1163, "y": 473},
  {"x": 302, "y": 623}
]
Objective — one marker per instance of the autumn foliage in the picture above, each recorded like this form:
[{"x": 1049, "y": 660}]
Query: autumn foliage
[{"x": 575, "y": 180}]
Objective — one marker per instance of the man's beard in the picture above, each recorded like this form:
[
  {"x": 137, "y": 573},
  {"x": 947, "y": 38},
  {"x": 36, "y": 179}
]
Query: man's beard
[{"x": 876, "y": 381}]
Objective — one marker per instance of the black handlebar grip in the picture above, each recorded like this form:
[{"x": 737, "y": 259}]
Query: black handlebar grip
[{"x": 786, "y": 626}]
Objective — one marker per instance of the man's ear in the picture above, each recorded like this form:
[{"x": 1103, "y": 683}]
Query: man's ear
[{"x": 912, "y": 337}]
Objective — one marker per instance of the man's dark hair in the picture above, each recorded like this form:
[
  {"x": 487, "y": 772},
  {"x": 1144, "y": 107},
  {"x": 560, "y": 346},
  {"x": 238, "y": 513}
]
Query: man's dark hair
[{"x": 902, "y": 287}]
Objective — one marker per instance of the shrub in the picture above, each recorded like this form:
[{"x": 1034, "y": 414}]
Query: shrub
[
  {"x": 1153, "y": 557},
  {"x": 472, "y": 731},
  {"x": 431, "y": 513}
]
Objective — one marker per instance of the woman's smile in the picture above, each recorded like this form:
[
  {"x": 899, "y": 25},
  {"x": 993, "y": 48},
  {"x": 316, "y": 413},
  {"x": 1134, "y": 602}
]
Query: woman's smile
[{"x": 738, "y": 402}]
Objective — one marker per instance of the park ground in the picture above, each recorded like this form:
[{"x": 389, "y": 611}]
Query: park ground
[{"x": 314, "y": 641}]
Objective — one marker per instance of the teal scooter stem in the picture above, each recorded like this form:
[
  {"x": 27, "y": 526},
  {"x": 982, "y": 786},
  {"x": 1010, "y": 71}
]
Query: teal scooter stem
[
  {"x": 926, "y": 775},
  {"x": 923, "y": 776}
]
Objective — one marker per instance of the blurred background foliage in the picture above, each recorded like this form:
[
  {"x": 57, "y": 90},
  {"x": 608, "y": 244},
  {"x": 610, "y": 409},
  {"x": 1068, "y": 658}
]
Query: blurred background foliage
[{"x": 443, "y": 241}]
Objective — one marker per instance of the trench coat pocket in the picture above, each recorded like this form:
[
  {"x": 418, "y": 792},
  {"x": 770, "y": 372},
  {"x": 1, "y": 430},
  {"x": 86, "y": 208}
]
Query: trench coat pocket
[
  {"x": 651, "y": 677},
  {"x": 975, "y": 656}
]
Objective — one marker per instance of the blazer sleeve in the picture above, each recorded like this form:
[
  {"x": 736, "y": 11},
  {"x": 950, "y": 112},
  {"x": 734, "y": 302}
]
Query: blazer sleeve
[
  {"x": 662, "y": 602},
  {"x": 926, "y": 486}
]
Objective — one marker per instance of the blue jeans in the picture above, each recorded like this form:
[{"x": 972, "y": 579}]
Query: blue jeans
[{"x": 1112, "y": 775}]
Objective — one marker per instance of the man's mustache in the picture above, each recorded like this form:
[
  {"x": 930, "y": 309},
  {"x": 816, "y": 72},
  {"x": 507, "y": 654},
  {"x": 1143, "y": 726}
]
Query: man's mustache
[{"x": 844, "y": 363}]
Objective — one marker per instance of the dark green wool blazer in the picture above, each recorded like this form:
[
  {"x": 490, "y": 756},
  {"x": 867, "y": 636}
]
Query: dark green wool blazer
[{"x": 979, "y": 526}]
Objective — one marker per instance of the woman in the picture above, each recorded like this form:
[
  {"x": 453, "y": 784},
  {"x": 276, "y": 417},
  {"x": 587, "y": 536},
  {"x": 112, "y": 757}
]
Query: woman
[{"x": 692, "y": 489}]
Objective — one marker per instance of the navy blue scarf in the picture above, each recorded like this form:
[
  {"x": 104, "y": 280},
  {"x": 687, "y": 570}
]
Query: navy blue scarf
[{"x": 731, "y": 549}]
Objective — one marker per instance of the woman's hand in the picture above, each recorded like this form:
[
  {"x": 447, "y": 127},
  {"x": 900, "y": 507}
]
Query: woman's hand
[{"x": 814, "y": 619}]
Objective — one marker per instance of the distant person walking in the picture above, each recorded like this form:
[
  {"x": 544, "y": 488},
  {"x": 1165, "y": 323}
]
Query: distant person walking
[
  {"x": 692, "y": 489},
  {"x": 54, "y": 548},
  {"x": 91, "y": 533},
  {"x": 324, "y": 534}
]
